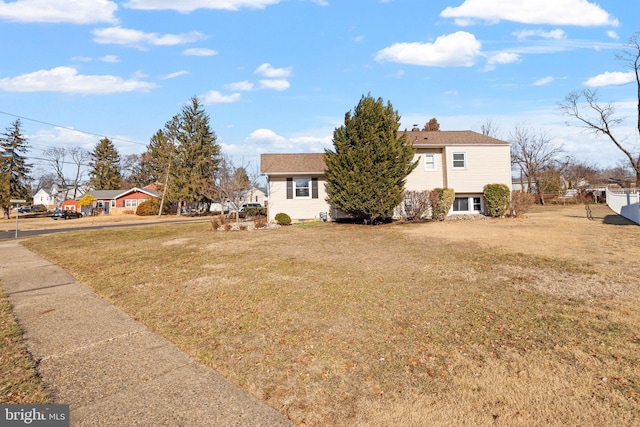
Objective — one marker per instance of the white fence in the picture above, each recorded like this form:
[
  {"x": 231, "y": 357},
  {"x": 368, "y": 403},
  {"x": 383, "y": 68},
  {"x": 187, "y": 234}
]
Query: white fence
[{"x": 625, "y": 202}]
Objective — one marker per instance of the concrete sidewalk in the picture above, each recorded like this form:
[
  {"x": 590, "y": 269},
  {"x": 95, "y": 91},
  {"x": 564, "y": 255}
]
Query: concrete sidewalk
[{"x": 111, "y": 369}]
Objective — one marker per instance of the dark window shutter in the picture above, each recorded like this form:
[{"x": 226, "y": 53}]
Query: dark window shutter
[
  {"x": 289, "y": 188},
  {"x": 314, "y": 188}
]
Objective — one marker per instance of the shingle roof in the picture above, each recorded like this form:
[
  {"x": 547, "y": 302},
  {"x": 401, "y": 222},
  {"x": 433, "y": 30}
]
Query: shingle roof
[
  {"x": 454, "y": 137},
  {"x": 105, "y": 194},
  {"x": 292, "y": 163}
]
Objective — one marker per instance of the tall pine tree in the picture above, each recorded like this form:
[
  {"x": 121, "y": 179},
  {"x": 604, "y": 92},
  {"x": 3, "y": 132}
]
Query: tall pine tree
[
  {"x": 14, "y": 169},
  {"x": 197, "y": 156},
  {"x": 105, "y": 166},
  {"x": 367, "y": 170}
]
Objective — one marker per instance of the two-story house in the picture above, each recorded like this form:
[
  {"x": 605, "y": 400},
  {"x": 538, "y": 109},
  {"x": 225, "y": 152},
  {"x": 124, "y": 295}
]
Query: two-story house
[{"x": 465, "y": 161}]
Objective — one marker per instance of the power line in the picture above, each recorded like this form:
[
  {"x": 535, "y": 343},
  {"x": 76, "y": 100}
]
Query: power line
[{"x": 72, "y": 129}]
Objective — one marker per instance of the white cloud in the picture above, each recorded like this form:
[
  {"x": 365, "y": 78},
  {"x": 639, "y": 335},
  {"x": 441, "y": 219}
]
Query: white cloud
[
  {"x": 543, "y": 81},
  {"x": 553, "y": 34},
  {"x": 613, "y": 35},
  {"x": 265, "y": 135},
  {"x": 611, "y": 79},
  {"x": 244, "y": 85},
  {"x": 175, "y": 74},
  {"x": 199, "y": 51},
  {"x": 136, "y": 38},
  {"x": 320, "y": 2},
  {"x": 504, "y": 58},
  {"x": 215, "y": 97},
  {"x": 113, "y": 59},
  {"x": 501, "y": 58},
  {"x": 186, "y": 6},
  {"x": 460, "y": 49},
  {"x": 67, "y": 80},
  {"x": 273, "y": 73},
  {"x": 59, "y": 11},
  {"x": 552, "y": 12},
  {"x": 60, "y": 136},
  {"x": 278, "y": 84},
  {"x": 266, "y": 140}
]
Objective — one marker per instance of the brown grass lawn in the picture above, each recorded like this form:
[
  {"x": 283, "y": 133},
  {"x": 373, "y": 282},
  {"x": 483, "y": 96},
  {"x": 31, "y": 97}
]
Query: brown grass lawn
[
  {"x": 19, "y": 383},
  {"x": 514, "y": 322}
]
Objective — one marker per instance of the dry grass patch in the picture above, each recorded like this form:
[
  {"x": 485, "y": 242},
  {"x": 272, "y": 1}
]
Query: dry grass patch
[
  {"x": 455, "y": 323},
  {"x": 19, "y": 383}
]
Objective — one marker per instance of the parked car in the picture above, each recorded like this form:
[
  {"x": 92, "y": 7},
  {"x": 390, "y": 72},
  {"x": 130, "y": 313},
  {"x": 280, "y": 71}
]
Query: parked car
[
  {"x": 33, "y": 208},
  {"x": 65, "y": 214},
  {"x": 247, "y": 208}
]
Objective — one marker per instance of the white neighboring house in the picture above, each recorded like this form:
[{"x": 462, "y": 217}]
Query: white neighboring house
[
  {"x": 53, "y": 197},
  {"x": 253, "y": 195},
  {"x": 464, "y": 161},
  {"x": 45, "y": 198}
]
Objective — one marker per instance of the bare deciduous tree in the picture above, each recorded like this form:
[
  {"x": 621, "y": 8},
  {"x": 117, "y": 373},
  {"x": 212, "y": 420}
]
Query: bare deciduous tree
[
  {"x": 231, "y": 184},
  {"x": 61, "y": 160},
  {"x": 533, "y": 153},
  {"x": 489, "y": 128},
  {"x": 585, "y": 107}
]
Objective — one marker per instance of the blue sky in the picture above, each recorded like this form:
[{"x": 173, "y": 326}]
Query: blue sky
[{"x": 279, "y": 75}]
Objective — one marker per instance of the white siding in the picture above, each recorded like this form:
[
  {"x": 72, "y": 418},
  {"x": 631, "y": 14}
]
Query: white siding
[
  {"x": 297, "y": 209},
  {"x": 420, "y": 179},
  {"x": 484, "y": 165}
]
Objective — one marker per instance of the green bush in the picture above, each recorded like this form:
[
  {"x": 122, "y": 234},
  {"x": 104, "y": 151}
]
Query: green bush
[
  {"x": 443, "y": 198},
  {"x": 283, "y": 219},
  {"x": 151, "y": 207},
  {"x": 496, "y": 199},
  {"x": 253, "y": 211}
]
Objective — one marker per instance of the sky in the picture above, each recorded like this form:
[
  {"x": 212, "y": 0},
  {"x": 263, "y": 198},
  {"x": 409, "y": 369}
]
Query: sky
[{"x": 278, "y": 76}]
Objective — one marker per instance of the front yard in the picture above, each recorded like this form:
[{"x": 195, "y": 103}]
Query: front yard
[{"x": 532, "y": 321}]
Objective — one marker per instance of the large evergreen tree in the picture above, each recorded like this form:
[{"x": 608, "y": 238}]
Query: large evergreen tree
[
  {"x": 105, "y": 166},
  {"x": 367, "y": 170},
  {"x": 14, "y": 169},
  {"x": 197, "y": 156}
]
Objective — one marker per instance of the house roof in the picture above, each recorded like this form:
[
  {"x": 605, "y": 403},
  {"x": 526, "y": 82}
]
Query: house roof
[
  {"x": 115, "y": 194},
  {"x": 105, "y": 194},
  {"x": 456, "y": 137},
  {"x": 293, "y": 164},
  {"x": 271, "y": 164}
]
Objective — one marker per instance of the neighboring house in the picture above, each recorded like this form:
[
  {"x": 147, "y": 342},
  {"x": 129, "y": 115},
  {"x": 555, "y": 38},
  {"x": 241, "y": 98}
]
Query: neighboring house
[
  {"x": 122, "y": 201},
  {"x": 255, "y": 195},
  {"x": 45, "y": 198},
  {"x": 54, "y": 197},
  {"x": 462, "y": 160}
]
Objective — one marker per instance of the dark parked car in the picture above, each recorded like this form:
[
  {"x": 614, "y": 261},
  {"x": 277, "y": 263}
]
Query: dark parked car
[
  {"x": 64, "y": 214},
  {"x": 34, "y": 208}
]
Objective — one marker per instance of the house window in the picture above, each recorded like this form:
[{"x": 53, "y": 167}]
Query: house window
[
  {"x": 461, "y": 204},
  {"x": 467, "y": 204},
  {"x": 130, "y": 203},
  {"x": 459, "y": 160},
  {"x": 302, "y": 188},
  {"x": 429, "y": 162}
]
